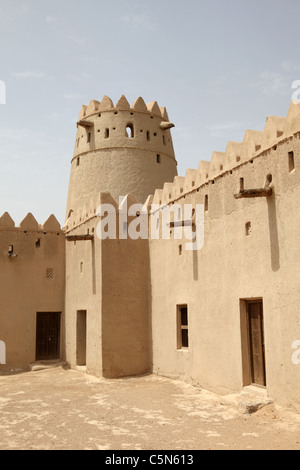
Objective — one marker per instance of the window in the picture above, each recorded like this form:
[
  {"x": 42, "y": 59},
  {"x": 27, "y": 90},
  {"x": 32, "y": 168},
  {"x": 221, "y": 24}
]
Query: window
[
  {"x": 248, "y": 229},
  {"x": 148, "y": 136},
  {"x": 158, "y": 159},
  {"x": 130, "y": 131},
  {"x": 206, "y": 203},
  {"x": 242, "y": 184},
  {"x": 50, "y": 273},
  {"x": 38, "y": 243},
  {"x": 182, "y": 327},
  {"x": 106, "y": 136},
  {"x": 10, "y": 250},
  {"x": 78, "y": 161},
  {"x": 89, "y": 137},
  {"x": 180, "y": 250},
  {"x": 291, "y": 161}
]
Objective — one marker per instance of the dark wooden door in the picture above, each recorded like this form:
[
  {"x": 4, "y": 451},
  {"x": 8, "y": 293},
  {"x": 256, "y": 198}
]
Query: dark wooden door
[
  {"x": 48, "y": 336},
  {"x": 257, "y": 345}
]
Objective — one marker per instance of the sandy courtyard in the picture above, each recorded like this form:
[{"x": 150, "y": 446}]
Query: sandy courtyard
[{"x": 66, "y": 409}]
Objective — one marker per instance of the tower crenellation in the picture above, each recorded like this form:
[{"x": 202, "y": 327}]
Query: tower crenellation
[{"x": 120, "y": 149}]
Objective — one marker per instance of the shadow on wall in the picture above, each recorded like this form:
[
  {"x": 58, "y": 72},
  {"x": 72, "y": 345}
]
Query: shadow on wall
[
  {"x": 273, "y": 229},
  {"x": 195, "y": 265},
  {"x": 2, "y": 353}
]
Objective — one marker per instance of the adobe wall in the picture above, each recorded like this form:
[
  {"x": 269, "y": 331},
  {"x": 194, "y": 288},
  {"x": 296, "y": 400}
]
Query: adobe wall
[
  {"x": 84, "y": 293},
  {"x": 109, "y": 279},
  {"x": 26, "y": 286},
  {"x": 126, "y": 302},
  {"x": 233, "y": 265}
]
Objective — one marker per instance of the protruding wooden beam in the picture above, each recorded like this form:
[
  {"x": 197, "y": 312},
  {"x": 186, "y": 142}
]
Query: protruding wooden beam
[
  {"x": 248, "y": 193},
  {"x": 77, "y": 238},
  {"x": 85, "y": 124},
  {"x": 166, "y": 125},
  {"x": 181, "y": 223}
]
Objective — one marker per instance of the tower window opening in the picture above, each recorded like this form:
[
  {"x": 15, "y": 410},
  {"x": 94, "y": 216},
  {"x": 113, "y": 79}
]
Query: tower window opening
[
  {"x": 106, "y": 136},
  {"x": 148, "y": 136},
  {"x": 130, "y": 131},
  {"x": 242, "y": 184},
  {"x": 10, "y": 250},
  {"x": 158, "y": 158},
  {"x": 291, "y": 161},
  {"x": 38, "y": 243},
  {"x": 248, "y": 229},
  {"x": 78, "y": 161},
  {"x": 206, "y": 203},
  {"x": 89, "y": 137}
]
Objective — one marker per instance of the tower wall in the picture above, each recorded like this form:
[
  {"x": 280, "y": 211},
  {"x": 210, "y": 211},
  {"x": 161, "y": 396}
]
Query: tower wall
[{"x": 120, "y": 150}]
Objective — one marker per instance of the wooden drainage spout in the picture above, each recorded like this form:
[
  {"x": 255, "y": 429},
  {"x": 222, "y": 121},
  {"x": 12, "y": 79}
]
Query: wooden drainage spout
[
  {"x": 262, "y": 192},
  {"x": 248, "y": 193}
]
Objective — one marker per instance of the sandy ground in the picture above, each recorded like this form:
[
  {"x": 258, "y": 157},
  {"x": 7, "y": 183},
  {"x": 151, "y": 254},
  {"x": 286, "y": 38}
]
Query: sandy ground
[{"x": 66, "y": 409}]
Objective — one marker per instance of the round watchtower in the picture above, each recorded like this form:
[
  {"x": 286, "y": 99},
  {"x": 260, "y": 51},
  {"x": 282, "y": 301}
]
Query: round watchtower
[{"x": 120, "y": 149}]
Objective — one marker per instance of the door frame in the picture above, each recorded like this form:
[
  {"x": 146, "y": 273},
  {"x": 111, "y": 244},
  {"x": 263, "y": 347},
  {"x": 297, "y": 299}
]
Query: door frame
[
  {"x": 247, "y": 359},
  {"x": 59, "y": 314}
]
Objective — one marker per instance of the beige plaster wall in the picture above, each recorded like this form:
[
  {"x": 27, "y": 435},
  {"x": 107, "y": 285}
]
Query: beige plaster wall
[
  {"x": 126, "y": 328},
  {"x": 84, "y": 292},
  {"x": 25, "y": 288},
  {"x": 232, "y": 266},
  {"x": 110, "y": 280}
]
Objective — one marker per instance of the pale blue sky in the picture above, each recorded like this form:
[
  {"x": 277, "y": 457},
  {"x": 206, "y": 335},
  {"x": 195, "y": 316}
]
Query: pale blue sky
[{"x": 219, "y": 66}]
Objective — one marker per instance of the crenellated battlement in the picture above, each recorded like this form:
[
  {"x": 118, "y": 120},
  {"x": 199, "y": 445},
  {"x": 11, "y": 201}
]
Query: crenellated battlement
[
  {"x": 103, "y": 126},
  {"x": 29, "y": 224},
  {"x": 107, "y": 105},
  {"x": 255, "y": 144},
  {"x": 120, "y": 149}
]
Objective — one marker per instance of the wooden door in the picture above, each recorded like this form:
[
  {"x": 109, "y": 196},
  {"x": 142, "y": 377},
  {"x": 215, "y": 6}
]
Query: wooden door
[
  {"x": 48, "y": 336},
  {"x": 257, "y": 345}
]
